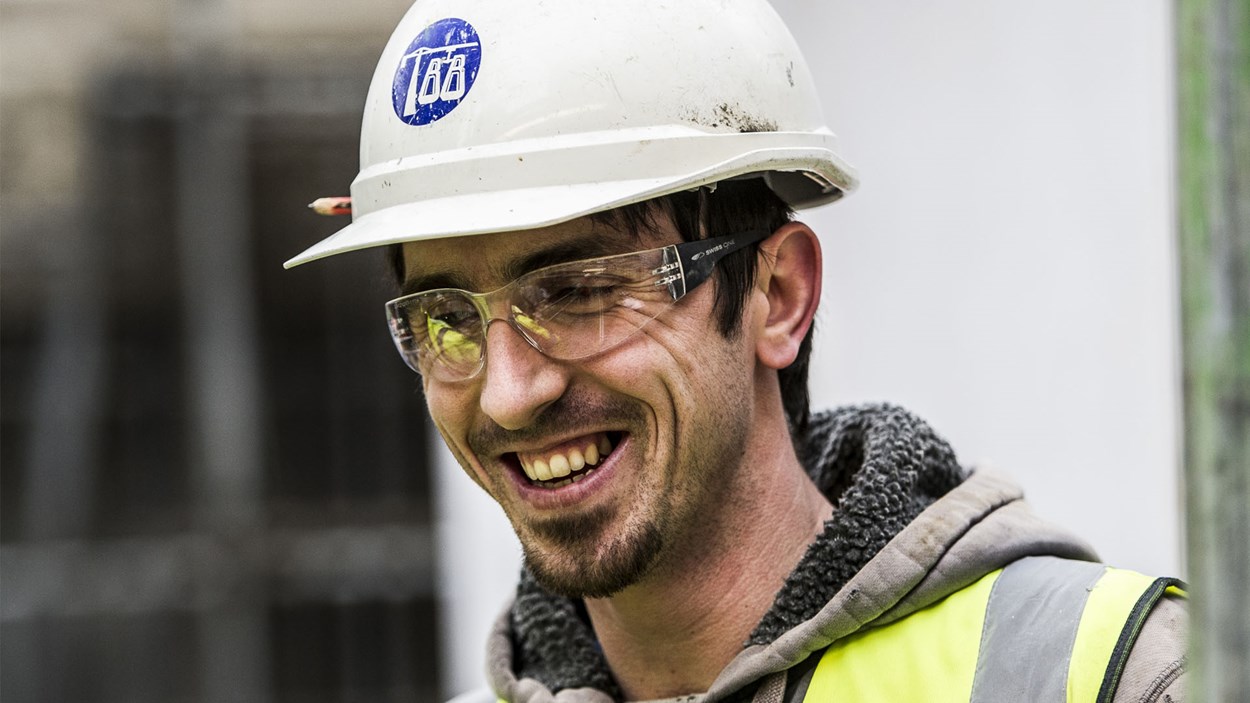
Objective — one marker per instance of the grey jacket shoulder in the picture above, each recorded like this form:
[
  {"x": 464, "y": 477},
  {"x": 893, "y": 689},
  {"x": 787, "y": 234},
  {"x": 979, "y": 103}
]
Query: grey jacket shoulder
[{"x": 1156, "y": 666}]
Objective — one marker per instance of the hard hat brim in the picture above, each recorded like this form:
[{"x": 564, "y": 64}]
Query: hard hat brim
[{"x": 525, "y": 208}]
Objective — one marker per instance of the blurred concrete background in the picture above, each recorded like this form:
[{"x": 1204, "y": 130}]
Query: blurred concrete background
[
  {"x": 217, "y": 478},
  {"x": 213, "y": 472}
]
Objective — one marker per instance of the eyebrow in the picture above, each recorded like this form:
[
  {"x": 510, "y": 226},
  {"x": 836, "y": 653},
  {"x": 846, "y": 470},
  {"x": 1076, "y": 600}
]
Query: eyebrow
[{"x": 588, "y": 247}]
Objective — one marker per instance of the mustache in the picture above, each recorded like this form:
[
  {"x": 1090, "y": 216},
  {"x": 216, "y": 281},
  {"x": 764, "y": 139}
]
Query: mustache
[{"x": 572, "y": 410}]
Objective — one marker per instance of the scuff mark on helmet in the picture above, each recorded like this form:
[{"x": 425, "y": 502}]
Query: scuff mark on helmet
[
  {"x": 727, "y": 116},
  {"x": 733, "y": 116}
]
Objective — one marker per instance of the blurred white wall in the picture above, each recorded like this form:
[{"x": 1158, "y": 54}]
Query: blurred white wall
[{"x": 1006, "y": 270}]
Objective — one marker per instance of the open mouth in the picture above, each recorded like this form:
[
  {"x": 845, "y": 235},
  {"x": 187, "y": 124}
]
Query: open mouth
[{"x": 568, "y": 463}]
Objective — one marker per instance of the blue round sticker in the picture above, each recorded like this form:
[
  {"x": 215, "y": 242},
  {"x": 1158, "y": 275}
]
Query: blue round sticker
[{"x": 436, "y": 72}]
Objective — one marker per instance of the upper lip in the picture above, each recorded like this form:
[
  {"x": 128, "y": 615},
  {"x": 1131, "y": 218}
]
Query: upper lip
[{"x": 548, "y": 445}]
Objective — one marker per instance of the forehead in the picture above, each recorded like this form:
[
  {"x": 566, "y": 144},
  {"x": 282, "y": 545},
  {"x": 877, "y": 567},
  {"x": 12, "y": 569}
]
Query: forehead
[{"x": 487, "y": 261}]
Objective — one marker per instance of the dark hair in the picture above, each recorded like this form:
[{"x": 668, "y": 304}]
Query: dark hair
[{"x": 727, "y": 207}]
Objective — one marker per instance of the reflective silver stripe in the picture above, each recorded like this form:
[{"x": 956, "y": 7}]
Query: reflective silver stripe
[{"x": 1030, "y": 625}]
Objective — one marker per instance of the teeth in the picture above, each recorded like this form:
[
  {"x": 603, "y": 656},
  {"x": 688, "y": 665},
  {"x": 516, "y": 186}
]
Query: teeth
[
  {"x": 565, "y": 482},
  {"x": 558, "y": 466}
]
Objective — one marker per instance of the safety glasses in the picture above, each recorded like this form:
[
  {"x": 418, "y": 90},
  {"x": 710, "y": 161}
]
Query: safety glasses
[{"x": 567, "y": 311}]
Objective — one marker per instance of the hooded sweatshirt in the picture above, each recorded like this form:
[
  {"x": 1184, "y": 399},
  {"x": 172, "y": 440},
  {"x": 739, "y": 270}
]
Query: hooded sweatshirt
[{"x": 909, "y": 527}]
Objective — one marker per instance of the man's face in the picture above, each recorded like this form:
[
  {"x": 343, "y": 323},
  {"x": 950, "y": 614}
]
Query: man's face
[{"x": 665, "y": 416}]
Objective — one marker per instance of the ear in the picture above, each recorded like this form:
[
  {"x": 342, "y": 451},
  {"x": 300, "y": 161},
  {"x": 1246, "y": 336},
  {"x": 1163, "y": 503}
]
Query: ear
[{"x": 789, "y": 279}]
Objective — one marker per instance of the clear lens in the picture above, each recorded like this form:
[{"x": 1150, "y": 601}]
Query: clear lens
[
  {"x": 567, "y": 311},
  {"x": 575, "y": 313},
  {"x": 439, "y": 332}
]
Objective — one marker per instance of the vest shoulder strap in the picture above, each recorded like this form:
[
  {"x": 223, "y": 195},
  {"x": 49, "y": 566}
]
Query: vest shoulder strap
[
  {"x": 1116, "y": 612},
  {"x": 1041, "y": 629}
]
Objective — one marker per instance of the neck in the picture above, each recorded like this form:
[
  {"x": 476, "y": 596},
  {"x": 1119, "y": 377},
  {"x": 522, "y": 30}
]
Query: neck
[{"x": 673, "y": 632}]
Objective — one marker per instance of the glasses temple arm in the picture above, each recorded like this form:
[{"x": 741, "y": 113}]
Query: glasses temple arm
[{"x": 698, "y": 258}]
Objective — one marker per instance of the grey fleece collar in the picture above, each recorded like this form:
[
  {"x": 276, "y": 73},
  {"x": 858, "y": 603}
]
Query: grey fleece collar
[{"x": 878, "y": 464}]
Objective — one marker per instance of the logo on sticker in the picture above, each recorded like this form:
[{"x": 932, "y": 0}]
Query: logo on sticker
[{"x": 436, "y": 71}]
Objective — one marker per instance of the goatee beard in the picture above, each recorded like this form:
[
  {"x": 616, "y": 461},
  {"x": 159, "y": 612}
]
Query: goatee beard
[{"x": 574, "y": 561}]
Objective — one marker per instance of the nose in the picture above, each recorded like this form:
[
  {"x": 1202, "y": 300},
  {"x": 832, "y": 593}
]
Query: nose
[{"x": 518, "y": 381}]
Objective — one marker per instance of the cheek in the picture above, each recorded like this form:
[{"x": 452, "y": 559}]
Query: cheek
[
  {"x": 677, "y": 367},
  {"x": 448, "y": 404},
  {"x": 701, "y": 358},
  {"x": 450, "y": 410}
]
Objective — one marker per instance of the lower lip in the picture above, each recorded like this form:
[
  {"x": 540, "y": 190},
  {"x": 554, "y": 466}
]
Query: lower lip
[{"x": 576, "y": 492}]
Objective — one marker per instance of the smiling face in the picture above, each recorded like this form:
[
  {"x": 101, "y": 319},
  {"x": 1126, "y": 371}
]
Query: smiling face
[{"x": 606, "y": 466}]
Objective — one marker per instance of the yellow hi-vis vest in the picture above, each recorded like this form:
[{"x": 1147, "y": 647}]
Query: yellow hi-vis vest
[{"x": 1042, "y": 629}]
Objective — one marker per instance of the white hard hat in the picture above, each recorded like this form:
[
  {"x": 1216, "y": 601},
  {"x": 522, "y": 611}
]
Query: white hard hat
[{"x": 500, "y": 115}]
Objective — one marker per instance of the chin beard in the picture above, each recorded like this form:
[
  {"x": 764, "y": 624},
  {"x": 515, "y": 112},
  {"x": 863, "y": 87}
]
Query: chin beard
[{"x": 573, "y": 561}]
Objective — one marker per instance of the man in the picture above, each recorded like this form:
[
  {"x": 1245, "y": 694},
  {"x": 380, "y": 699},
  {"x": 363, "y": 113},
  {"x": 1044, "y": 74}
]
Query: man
[{"x": 588, "y": 207}]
